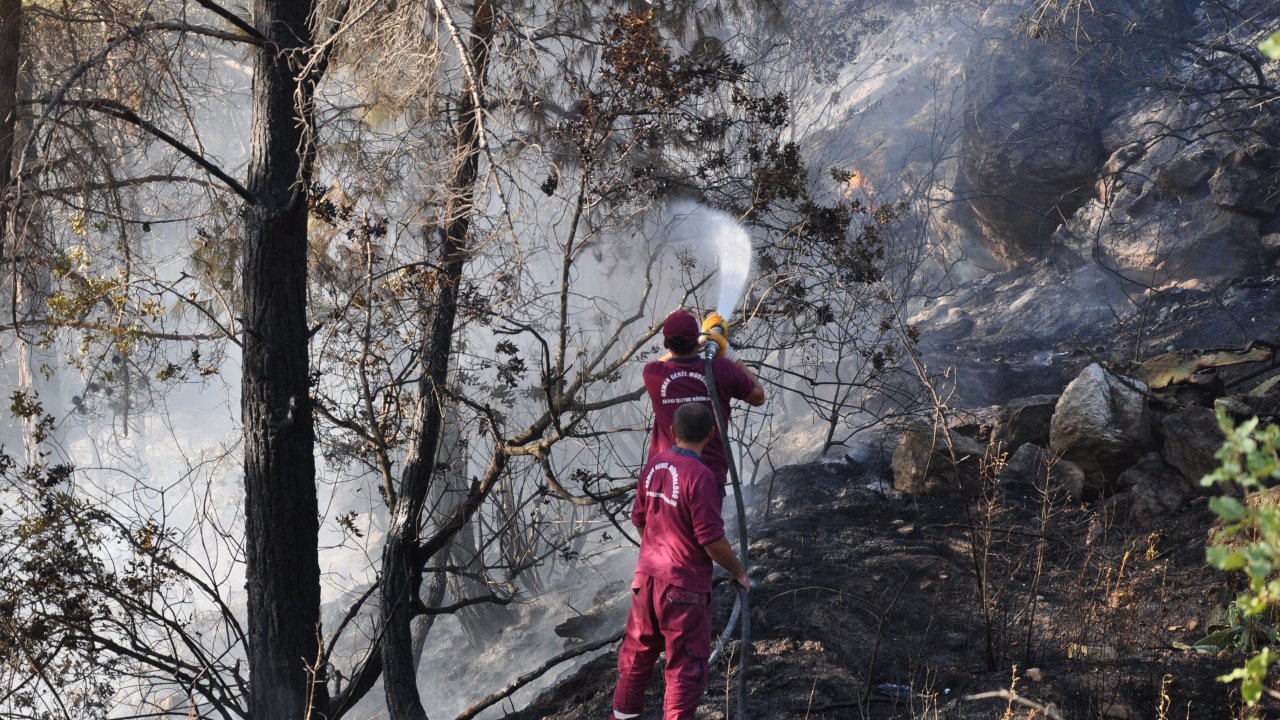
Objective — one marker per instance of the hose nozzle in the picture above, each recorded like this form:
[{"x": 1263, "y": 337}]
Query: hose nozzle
[
  {"x": 713, "y": 330},
  {"x": 711, "y": 349}
]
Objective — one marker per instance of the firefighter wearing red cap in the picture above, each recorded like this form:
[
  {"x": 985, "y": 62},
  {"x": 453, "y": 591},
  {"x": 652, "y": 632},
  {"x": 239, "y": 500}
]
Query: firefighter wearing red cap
[
  {"x": 678, "y": 378},
  {"x": 677, "y": 512}
]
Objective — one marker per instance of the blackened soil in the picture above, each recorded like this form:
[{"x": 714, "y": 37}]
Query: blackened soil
[{"x": 869, "y": 606}]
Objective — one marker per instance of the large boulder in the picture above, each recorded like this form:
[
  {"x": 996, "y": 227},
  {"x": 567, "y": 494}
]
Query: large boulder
[
  {"x": 1212, "y": 242},
  {"x": 922, "y": 463},
  {"x": 1191, "y": 437},
  {"x": 1024, "y": 420},
  {"x": 1101, "y": 423}
]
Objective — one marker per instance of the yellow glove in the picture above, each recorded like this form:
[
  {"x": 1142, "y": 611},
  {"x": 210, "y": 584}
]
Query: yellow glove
[
  {"x": 714, "y": 324},
  {"x": 720, "y": 342}
]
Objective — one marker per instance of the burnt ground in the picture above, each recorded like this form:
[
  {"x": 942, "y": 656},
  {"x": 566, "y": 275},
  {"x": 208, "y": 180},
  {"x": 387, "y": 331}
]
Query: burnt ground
[{"x": 862, "y": 588}]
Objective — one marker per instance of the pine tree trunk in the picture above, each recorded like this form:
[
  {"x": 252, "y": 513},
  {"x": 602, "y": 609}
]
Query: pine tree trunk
[
  {"x": 10, "y": 48},
  {"x": 279, "y": 468}
]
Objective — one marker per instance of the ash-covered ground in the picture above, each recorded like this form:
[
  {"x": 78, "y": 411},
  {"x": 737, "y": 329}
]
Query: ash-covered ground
[{"x": 869, "y": 607}]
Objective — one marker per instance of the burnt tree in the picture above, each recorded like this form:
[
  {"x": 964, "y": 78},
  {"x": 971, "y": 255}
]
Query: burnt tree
[
  {"x": 403, "y": 557},
  {"x": 281, "y": 514},
  {"x": 10, "y": 43}
]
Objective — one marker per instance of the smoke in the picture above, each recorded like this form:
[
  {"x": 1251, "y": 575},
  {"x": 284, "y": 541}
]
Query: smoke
[
  {"x": 716, "y": 232},
  {"x": 875, "y": 123}
]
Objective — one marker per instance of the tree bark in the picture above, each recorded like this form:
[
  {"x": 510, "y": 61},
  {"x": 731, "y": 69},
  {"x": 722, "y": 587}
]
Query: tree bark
[
  {"x": 281, "y": 512},
  {"x": 10, "y": 48},
  {"x": 10, "y": 66},
  {"x": 401, "y": 561}
]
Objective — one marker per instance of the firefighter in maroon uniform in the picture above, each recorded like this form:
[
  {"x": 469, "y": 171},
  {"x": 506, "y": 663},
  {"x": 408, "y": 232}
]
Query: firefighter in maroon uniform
[
  {"x": 678, "y": 378},
  {"x": 677, "y": 512}
]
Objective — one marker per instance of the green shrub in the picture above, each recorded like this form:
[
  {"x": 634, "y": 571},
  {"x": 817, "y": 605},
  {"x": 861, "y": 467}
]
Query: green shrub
[
  {"x": 1271, "y": 46},
  {"x": 1250, "y": 540}
]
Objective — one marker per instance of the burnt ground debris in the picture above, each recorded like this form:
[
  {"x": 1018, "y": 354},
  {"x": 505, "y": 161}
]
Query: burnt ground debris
[{"x": 869, "y": 607}]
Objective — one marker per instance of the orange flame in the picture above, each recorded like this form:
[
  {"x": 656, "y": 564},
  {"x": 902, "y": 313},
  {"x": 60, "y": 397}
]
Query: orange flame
[{"x": 857, "y": 181}]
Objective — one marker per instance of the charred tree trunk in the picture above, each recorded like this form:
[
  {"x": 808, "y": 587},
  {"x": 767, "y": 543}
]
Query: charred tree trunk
[
  {"x": 29, "y": 283},
  {"x": 10, "y": 64},
  {"x": 281, "y": 513},
  {"x": 450, "y": 483},
  {"x": 10, "y": 58},
  {"x": 402, "y": 560}
]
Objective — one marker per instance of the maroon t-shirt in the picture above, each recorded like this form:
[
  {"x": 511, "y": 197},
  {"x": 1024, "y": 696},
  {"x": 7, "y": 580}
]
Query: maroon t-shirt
[
  {"x": 678, "y": 505},
  {"x": 672, "y": 383}
]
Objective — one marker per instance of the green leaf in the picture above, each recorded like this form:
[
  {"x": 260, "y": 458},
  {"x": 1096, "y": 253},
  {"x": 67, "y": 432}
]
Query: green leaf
[
  {"x": 1228, "y": 508},
  {"x": 1259, "y": 567},
  {"x": 1224, "y": 558},
  {"x": 1251, "y": 690},
  {"x": 1271, "y": 46},
  {"x": 1246, "y": 428},
  {"x": 1217, "y": 641}
]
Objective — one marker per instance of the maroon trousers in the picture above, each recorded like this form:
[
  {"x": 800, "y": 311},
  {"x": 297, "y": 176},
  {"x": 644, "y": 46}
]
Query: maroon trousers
[{"x": 664, "y": 617}]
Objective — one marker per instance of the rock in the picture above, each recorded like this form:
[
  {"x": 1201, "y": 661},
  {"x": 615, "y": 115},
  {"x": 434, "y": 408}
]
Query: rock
[
  {"x": 1270, "y": 248},
  {"x": 1032, "y": 463},
  {"x": 610, "y": 607},
  {"x": 1102, "y": 424},
  {"x": 922, "y": 465},
  {"x": 1191, "y": 437},
  {"x": 1234, "y": 407},
  {"x": 1187, "y": 174},
  {"x": 1118, "y": 711},
  {"x": 1212, "y": 242},
  {"x": 1094, "y": 653},
  {"x": 1154, "y": 489},
  {"x": 975, "y": 424},
  {"x": 1113, "y": 170},
  {"x": 1201, "y": 204},
  {"x": 1263, "y": 401},
  {"x": 1245, "y": 180},
  {"x": 1024, "y": 420}
]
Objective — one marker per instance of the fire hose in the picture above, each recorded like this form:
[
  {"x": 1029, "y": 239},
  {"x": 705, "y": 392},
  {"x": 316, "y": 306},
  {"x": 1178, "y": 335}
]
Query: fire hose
[{"x": 741, "y": 606}]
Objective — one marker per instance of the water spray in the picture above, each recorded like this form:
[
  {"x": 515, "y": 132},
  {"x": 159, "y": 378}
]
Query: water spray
[
  {"x": 734, "y": 252},
  {"x": 721, "y": 234}
]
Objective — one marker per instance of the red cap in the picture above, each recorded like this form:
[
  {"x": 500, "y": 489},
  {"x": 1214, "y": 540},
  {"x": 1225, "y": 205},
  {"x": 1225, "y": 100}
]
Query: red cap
[{"x": 681, "y": 327}]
